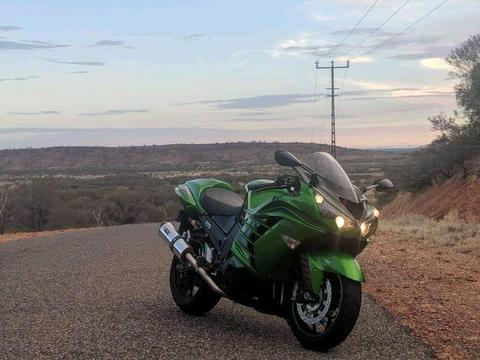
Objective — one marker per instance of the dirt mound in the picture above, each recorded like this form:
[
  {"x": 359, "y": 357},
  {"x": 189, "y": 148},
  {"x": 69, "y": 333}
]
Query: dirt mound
[{"x": 456, "y": 196}]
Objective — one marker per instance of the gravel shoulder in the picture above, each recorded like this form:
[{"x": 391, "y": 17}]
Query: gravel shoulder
[
  {"x": 104, "y": 293},
  {"x": 432, "y": 290}
]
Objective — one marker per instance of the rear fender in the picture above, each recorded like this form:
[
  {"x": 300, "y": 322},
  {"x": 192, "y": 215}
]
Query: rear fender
[{"x": 342, "y": 264}]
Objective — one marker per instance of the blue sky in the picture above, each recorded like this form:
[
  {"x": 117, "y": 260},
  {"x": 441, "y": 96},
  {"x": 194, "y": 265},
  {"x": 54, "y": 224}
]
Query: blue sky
[{"x": 145, "y": 72}]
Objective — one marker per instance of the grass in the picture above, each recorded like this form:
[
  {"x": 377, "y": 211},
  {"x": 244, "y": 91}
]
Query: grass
[{"x": 450, "y": 232}]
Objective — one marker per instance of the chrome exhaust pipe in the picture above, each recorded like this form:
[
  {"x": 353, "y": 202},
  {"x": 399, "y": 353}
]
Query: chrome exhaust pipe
[{"x": 183, "y": 251}]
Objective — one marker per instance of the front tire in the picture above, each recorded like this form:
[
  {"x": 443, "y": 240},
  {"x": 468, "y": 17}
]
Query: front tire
[
  {"x": 189, "y": 292},
  {"x": 326, "y": 324}
]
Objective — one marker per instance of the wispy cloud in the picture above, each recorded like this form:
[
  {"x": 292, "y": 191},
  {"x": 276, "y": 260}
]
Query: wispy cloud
[
  {"x": 116, "y": 112},
  {"x": 436, "y": 64},
  {"x": 429, "y": 52},
  {"x": 258, "y": 102},
  {"x": 192, "y": 37},
  {"x": 28, "y": 45},
  {"x": 78, "y": 72},
  {"x": 370, "y": 91},
  {"x": 82, "y": 63},
  {"x": 256, "y": 119},
  {"x": 108, "y": 43},
  {"x": 22, "y": 78},
  {"x": 362, "y": 31},
  {"x": 6, "y": 28},
  {"x": 45, "y": 112}
]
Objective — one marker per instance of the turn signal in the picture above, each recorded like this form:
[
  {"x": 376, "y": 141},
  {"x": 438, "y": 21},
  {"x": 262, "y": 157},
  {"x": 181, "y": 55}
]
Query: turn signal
[{"x": 291, "y": 242}]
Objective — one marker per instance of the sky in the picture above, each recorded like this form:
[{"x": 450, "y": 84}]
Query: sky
[{"x": 199, "y": 71}]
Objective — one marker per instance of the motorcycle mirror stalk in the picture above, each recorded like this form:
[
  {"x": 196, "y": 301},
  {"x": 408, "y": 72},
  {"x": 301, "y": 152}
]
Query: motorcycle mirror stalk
[{"x": 379, "y": 185}]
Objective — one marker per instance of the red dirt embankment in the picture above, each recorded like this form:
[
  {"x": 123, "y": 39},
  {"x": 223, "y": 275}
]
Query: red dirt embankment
[{"x": 457, "y": 196}]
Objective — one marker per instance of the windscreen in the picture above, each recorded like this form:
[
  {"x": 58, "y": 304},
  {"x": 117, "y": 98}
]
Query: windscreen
[{"x": 331, "y": 175}]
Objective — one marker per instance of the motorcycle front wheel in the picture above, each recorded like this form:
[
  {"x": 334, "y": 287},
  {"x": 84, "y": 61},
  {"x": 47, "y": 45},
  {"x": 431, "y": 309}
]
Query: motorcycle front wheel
[
  {"x": 191, "y": 294},
  {"x": 325, "y": 324}
]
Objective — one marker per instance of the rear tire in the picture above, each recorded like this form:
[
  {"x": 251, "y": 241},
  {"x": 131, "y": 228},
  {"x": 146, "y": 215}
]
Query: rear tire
[
  {"x": 344, "y": 307},
  {"x": 191, "y": 294}
]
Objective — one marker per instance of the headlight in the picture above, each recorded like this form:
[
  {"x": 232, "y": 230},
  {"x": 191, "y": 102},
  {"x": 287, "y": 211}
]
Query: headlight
[
  {"x": 376, "y": 213},
  {"x": 368, "y": 228},
  {"x": 340, "y": 221},
  {"x": 364, "y": 229},
  {"x": 319, "y": 199}
]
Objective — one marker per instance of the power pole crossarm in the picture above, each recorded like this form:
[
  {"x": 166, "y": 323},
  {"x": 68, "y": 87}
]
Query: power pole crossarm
[{"x": 332, "y": 95}]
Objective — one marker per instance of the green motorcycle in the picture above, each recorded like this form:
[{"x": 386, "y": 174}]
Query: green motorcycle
[{"x": 288, "y": 248}]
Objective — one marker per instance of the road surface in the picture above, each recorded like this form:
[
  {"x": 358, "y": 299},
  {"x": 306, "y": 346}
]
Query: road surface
[{"x": 103, "y": 294}]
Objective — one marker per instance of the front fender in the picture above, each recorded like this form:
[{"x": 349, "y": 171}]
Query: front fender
[{"x": 342, "y": 264}]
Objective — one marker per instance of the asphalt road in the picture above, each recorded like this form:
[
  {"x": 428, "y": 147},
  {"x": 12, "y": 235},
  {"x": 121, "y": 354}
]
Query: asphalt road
[{"x": 104, "y": 294}]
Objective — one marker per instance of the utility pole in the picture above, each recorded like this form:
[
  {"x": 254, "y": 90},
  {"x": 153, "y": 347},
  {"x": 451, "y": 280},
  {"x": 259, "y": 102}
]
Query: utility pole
[{"x": 332, "y": 95}]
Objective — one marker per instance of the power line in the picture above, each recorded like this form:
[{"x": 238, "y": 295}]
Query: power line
[
  {"x": 403, "y": 31},
  {"x": 377, "y": 29},
  {"x": 352, "y": 29}
]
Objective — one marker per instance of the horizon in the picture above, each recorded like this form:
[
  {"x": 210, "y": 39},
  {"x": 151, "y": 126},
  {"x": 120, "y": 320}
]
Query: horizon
[{"x": 122, "y": 73}]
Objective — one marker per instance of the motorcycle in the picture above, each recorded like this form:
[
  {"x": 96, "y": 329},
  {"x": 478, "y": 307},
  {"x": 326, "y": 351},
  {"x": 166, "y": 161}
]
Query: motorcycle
[{"x": 288, "y": 248}]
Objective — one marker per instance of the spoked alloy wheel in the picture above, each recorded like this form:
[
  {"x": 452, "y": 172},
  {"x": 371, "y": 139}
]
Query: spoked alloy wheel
[
  {"x": 327, "y": 322},
  {"x": 189, "y": 292}
]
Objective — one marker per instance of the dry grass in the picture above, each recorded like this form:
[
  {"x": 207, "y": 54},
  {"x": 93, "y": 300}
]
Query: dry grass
[{"x": 450, "y": 232}]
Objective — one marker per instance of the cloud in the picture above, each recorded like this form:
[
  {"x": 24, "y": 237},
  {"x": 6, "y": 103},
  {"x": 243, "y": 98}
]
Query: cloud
[
  {"x": 305, "y": 44},
  {"x": 258, "y": 102},
  {"x": 10, "y": 28},
  {"x": 22, "y": 78},
  {"x": 83, "y": 63},
  {"x": 192, "y": 37},
  {"x": 28, "y": 45},
  {"x": 362, "y": 31},
  {"x": 429, "y": 52},
  {"x": 435, "y": 63},
  {"x": 115, "y": 112},
  {"x": 79, "y": 72},
  {"x": 108, "y": 43},
  {"x": 256, "y": 119},
  {"x": 45, "y": 112},
  {"x": 371, "y": 91},
  {"x": 357, "y": 60}
]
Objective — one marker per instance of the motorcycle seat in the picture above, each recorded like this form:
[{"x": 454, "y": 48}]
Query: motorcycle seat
[{"x": 220, "y": 201}]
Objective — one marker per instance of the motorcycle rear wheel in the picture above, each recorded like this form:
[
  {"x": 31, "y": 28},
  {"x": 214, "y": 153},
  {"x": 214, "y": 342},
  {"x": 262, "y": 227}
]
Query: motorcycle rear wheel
[
  {"x": 326, "y": 324},
  {"x": 189, "y": 292}
]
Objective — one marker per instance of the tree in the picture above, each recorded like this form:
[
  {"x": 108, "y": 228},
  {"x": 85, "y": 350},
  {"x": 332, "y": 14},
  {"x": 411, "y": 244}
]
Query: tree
[
  {"x": 4, "y": 209},
  {"x": 459, "y": 134},
  {"x": 466, "y": 63},
  {"x": 36, "y": 201}
]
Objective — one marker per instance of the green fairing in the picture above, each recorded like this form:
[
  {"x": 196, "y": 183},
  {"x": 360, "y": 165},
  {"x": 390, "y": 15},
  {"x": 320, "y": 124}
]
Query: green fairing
[
  {"x": 191, "y": 191},
  {"x": 272, "y": 213},
  {"x": 342, "y": 264}
]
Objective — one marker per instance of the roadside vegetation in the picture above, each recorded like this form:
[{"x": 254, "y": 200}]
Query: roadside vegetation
[
  {"x": 458, "y": 142},
  {"x": 448, "y": 232}
]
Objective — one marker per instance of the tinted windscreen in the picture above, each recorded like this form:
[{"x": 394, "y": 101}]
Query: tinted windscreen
[{"x": 331, "y": 175}]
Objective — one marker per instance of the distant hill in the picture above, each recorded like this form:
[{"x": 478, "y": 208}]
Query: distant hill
[{"x": 169, "y": 157}]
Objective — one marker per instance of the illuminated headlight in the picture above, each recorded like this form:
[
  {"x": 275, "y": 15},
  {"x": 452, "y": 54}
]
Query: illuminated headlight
[
  {"x": 340, "y": 221},
  {"x": 376, "y": 213},
  {"x": 364, "y": 227},
  {"x": 291, "y": 242},
  {"x": 319, "y": 199}
]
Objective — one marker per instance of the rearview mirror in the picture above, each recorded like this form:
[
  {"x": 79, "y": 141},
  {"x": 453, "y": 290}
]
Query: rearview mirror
[
  {"x": 284, "y": 158},
  {"x": 383, "y": 184}
]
